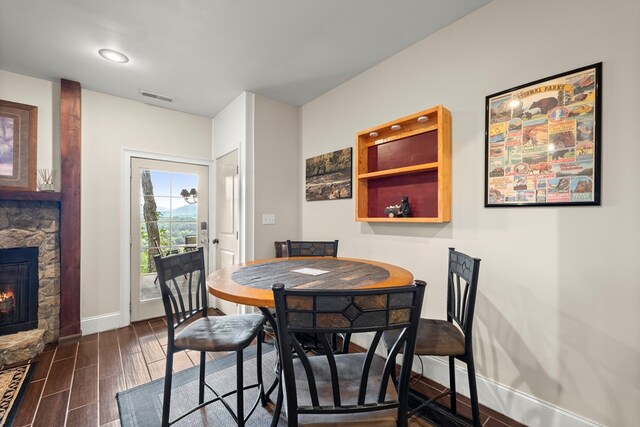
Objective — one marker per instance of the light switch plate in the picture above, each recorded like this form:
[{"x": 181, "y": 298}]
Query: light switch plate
[{"x": 268, "y": 219}]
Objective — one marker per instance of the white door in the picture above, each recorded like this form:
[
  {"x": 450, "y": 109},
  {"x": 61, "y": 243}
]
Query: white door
[
  {"x": 227, "y": 218},
  {"x": 169, "y": 211}
]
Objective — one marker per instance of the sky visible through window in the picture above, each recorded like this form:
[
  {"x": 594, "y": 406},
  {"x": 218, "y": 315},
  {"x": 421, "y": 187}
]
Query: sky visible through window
[{"x": 167, "y": 187}]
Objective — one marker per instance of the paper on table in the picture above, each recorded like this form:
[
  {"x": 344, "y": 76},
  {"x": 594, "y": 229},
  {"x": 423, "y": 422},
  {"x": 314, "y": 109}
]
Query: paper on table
[{"x": 310, "y": 271}]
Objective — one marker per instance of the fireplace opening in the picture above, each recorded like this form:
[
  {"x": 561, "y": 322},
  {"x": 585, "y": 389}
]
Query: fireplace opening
[{"x": 18, "y": 290}]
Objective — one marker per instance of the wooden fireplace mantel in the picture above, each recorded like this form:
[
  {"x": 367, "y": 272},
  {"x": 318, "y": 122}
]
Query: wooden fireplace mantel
[{"x": 35, "y": 196}]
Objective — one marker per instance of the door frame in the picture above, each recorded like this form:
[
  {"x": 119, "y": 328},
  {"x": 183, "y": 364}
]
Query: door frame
[{"x": 125, "y": 218}]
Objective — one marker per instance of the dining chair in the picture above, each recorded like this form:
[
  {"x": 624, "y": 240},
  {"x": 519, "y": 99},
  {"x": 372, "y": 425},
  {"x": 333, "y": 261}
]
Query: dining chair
[
  {"x": 281, "y": 249},
  {"x": 452, "y": 337},
  {"x": 189, "y": 327},
  {"x": 190, "y": 242},
  {"x": 312, "y": 248},
  {"x": 317, "y": 248},
  {"x": 354, "y": 388},
  {"x": 156, "y": 247}
]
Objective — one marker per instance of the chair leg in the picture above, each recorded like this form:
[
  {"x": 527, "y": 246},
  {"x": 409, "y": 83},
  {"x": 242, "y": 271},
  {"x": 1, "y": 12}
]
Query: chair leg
[
  {"x": 240, "y": 388},
  {"x": 166, "y": 401},
  {"x": 473, "y": 392},
  {"x": 203, "y": 355},
  {"x": 346, "y": 340},
  {"x": 263, "y": 396},
  {"x": 278, "y": 408},
  {"x": 452, "y": 385}
]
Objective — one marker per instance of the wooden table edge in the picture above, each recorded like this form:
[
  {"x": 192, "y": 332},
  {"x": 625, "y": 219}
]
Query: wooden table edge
[{"x": 225, "y": 288}]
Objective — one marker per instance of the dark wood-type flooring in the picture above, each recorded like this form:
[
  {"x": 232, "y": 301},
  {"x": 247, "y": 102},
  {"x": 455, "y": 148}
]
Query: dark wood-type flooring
[{"x": 75, "y": 384}]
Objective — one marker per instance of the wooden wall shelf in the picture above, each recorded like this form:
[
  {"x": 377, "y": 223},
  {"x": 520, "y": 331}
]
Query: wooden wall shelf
[{"x": 413, "y": 160}]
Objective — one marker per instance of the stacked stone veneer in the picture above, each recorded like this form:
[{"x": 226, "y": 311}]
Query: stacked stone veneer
[{"x": 28, "y": 224}]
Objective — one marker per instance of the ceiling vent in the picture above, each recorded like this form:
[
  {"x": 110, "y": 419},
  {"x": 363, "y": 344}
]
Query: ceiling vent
[{"x": 155, "y": 96}]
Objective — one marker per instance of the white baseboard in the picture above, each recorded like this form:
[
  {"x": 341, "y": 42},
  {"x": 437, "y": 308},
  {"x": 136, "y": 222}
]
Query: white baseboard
[
  {"x": 101, "y": 323},
  {"x": 514, "y": 404}
]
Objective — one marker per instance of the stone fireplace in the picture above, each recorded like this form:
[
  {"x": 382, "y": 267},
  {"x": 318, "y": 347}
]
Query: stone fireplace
[{"x": 30, "y": 227}]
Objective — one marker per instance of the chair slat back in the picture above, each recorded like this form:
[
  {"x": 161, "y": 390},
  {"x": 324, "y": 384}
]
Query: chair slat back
[
  {"x": 182, "y": 283},
  {"x": 311, "y": 248},
  {"x": 324, "y": 313},
  {"x": 462, "y": 289}
]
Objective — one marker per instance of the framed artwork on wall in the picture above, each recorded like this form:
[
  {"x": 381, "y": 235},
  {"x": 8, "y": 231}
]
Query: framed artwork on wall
[
  {"x": 18, "y": 135},
  {"x": 329, "y": 176},
  {"x": 542, "y": 141}
]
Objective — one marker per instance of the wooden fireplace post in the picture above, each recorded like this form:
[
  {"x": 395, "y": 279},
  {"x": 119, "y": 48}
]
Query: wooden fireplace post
[{"x": 70, "y": 159}]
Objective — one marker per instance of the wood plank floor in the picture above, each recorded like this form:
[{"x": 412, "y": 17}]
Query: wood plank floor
[{"x": 75, "y": 384}]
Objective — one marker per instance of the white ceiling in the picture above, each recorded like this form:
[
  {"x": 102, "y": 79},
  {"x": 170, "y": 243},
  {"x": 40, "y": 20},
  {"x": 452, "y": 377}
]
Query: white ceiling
[{"x": 204, "y": 53}]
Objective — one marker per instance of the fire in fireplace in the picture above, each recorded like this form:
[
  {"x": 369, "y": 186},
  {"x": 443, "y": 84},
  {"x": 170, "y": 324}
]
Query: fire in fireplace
[
  {"x": 18, "y": 290},
  {"x": 7, "y": 303}
]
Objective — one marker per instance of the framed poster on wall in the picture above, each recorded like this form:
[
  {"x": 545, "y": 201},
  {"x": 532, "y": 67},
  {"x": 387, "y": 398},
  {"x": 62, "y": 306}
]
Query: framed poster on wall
[{"x": 542, "y": 141}]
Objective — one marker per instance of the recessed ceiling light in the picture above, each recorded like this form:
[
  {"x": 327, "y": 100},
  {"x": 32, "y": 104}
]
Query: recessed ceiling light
[{"x": 113, "y": 55}]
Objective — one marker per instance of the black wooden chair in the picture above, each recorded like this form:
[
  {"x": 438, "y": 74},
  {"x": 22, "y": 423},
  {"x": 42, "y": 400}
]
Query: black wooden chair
[
  {"x": 354, "y": 388},
  {"x": 452, "y": 337},
  {"x": 317, "y": 248},
  {"x": 190, "y": 242},
  {"x": 190, "y": 328},
  {"x": 281, "y": 249},
  {"x": 310, "y": 248}
]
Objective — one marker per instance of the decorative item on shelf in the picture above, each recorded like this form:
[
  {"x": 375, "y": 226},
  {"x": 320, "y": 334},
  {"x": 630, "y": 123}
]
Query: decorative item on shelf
[
  {"x": 46, "y": 181},
  {"x": 403, "y": 210},
  {"x": 190, "y": 197}
]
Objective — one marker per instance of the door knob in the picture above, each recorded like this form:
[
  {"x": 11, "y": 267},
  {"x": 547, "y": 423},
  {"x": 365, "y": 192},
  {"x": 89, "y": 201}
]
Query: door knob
[{"x": 215, "y": 241}]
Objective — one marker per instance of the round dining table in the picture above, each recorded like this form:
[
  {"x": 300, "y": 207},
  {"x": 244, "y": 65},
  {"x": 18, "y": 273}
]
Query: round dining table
[{"x": 250, "y": 283}]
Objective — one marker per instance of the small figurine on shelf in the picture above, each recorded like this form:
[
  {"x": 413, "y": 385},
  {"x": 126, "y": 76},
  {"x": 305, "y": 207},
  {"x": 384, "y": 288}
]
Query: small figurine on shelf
[{"x": 402, "y": 210}]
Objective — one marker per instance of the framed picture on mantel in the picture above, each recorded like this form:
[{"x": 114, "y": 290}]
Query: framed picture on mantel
[
  {"x": 542, "y": 141},
  {"x": 18, "y": 135}
]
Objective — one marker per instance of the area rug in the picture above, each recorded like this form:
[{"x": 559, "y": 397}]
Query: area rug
[
  {"x": 142, "y": 406},
  {"x": 13, "y": 384}
]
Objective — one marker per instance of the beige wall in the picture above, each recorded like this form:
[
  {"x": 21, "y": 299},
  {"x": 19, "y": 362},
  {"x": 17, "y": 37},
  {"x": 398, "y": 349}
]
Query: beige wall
[
  {"x": 557, "y": 311},
  {"x": 109, "y": 125},
  {"x": 277, "y": 167}
]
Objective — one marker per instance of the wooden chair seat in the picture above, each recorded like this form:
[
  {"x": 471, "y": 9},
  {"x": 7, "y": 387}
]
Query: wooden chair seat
[
  {"x": 434, "y": 338},
  {"x": 220, "y": 333},
  {"x": 349, "y": 369}
]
